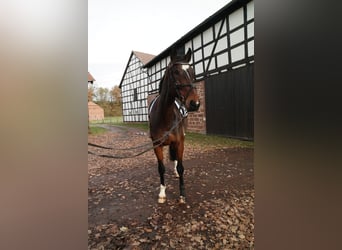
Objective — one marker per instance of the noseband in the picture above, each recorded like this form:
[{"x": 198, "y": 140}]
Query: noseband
[{"x": 180, "y": 86}]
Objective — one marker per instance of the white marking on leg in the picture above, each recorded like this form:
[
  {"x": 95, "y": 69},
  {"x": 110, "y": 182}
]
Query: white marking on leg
[
  {"x": 162, "y": 195},
  {"x": 182, "y": 199},
  {"x": 176, "y": 172},
  {"x": 162, "y": 191}
]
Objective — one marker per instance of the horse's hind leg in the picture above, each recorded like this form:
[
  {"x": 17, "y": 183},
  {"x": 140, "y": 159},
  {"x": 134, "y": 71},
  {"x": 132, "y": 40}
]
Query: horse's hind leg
[{"x": 161, "y": 169}]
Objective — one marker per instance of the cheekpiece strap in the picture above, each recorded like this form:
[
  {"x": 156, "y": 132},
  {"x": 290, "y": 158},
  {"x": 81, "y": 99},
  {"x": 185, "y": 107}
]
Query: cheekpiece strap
[{"x": 181, "y": 108}]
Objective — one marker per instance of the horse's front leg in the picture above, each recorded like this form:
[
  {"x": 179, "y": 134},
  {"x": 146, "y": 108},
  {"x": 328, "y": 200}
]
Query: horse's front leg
[
  {"x": 175, "y": 168},
  {"x": 173, "y": 157},
  {"x": 180, "y": 170},
  {"x": 161, "y": 169}
]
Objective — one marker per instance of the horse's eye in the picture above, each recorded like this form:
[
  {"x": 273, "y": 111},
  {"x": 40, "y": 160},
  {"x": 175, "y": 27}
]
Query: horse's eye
[{"x": 176, "y": 72}]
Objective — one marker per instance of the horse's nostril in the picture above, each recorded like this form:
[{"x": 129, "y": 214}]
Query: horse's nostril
[{"x": 194, "y": 105}]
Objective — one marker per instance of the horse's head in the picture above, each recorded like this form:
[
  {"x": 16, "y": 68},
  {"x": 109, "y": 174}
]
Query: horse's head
[{"x": 183, "y": 77}]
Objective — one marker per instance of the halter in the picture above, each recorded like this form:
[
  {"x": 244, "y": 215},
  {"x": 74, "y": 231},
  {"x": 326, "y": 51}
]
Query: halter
[{"x": 180, "y": 85}]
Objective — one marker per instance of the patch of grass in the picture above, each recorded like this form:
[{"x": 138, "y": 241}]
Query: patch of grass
[
  {"x": 215, "y": 140},
  {"x": 139, "y": 125},
  {"x": 200, "y": 139},
  {"x": 109, "y": 120},
  {"x": 97, "y": 130},
  {"x": 193, "y": 138}
]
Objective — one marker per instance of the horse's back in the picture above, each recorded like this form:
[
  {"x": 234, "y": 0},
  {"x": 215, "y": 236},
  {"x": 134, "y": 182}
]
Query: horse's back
[
  {"x": 152, "y": 106},
  {"x": 152, "y": 117}
]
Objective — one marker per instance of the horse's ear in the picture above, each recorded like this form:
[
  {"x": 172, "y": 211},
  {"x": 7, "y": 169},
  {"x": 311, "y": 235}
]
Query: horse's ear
[
  {"x": 187, "y": 56},
  {"x": 173, "y": 55}
]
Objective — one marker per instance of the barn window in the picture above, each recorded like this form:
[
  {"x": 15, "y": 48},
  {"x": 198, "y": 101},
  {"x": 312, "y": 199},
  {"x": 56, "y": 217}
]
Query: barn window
[{"x": 135, "y": 95}]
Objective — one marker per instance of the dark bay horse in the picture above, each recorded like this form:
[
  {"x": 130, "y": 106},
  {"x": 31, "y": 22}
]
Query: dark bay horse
[{"x": 167, "y": 115}]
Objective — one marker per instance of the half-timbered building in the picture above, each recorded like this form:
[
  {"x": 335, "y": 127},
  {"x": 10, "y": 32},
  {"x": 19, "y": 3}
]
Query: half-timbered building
[
  {"x": 134, "y": 88},
  {"x": 223, "y": 60}
]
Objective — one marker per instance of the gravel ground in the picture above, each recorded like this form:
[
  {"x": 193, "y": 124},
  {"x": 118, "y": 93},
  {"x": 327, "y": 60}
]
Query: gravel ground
[{"x": 123, "y": 212}]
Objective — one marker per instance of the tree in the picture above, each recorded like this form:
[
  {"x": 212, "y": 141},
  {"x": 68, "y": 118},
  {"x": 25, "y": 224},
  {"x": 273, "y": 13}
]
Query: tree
[
  {"x": 109, "y": 100},
  {"x": 115, "y": 95},
  {"x": 102, "y": 95},
  {"x": 91, "y": 93}
]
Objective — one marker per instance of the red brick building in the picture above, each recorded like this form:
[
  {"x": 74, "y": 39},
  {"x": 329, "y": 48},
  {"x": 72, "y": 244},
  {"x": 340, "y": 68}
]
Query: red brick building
[{"x": 95, "y": 112}]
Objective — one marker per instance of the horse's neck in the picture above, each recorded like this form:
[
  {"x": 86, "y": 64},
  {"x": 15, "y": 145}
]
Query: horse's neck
[
  {"x": 166, "y": 103},
  {"x": 167, "y": 92},
  {"x": 165, "y": 111},
  {"x": 165, "y": 108}
]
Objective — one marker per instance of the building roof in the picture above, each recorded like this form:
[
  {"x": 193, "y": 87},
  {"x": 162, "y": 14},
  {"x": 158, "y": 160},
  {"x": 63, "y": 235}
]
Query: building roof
[
  {"x": 91, "y": 79},
  {"x": 229, "y": 8},
  {"x": 149, "y": 60},
  {"x": 143, "y": 57}
]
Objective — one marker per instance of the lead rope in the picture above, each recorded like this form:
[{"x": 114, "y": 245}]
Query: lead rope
[{"x": 161, "y": 141}]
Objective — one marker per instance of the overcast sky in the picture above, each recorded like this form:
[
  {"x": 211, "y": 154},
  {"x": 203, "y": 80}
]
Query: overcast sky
[{"x": 115, "y": 28}]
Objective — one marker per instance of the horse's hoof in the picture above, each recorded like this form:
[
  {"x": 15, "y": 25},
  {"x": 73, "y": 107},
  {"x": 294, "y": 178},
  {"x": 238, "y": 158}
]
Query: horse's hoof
[
  {"x": 182, "y": 199},
  {"x": 161, "y": 199}
]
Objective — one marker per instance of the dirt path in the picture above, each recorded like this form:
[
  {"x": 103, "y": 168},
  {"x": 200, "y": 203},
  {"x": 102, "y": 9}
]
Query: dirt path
[{"x": 123, "y": 212}]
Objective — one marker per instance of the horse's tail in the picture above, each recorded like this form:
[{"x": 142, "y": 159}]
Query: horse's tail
[{"x": 172, "y": 153}]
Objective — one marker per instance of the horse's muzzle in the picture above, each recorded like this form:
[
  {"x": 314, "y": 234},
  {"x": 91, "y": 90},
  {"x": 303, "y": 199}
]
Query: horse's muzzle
[{"x": 194, "y": 105}]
